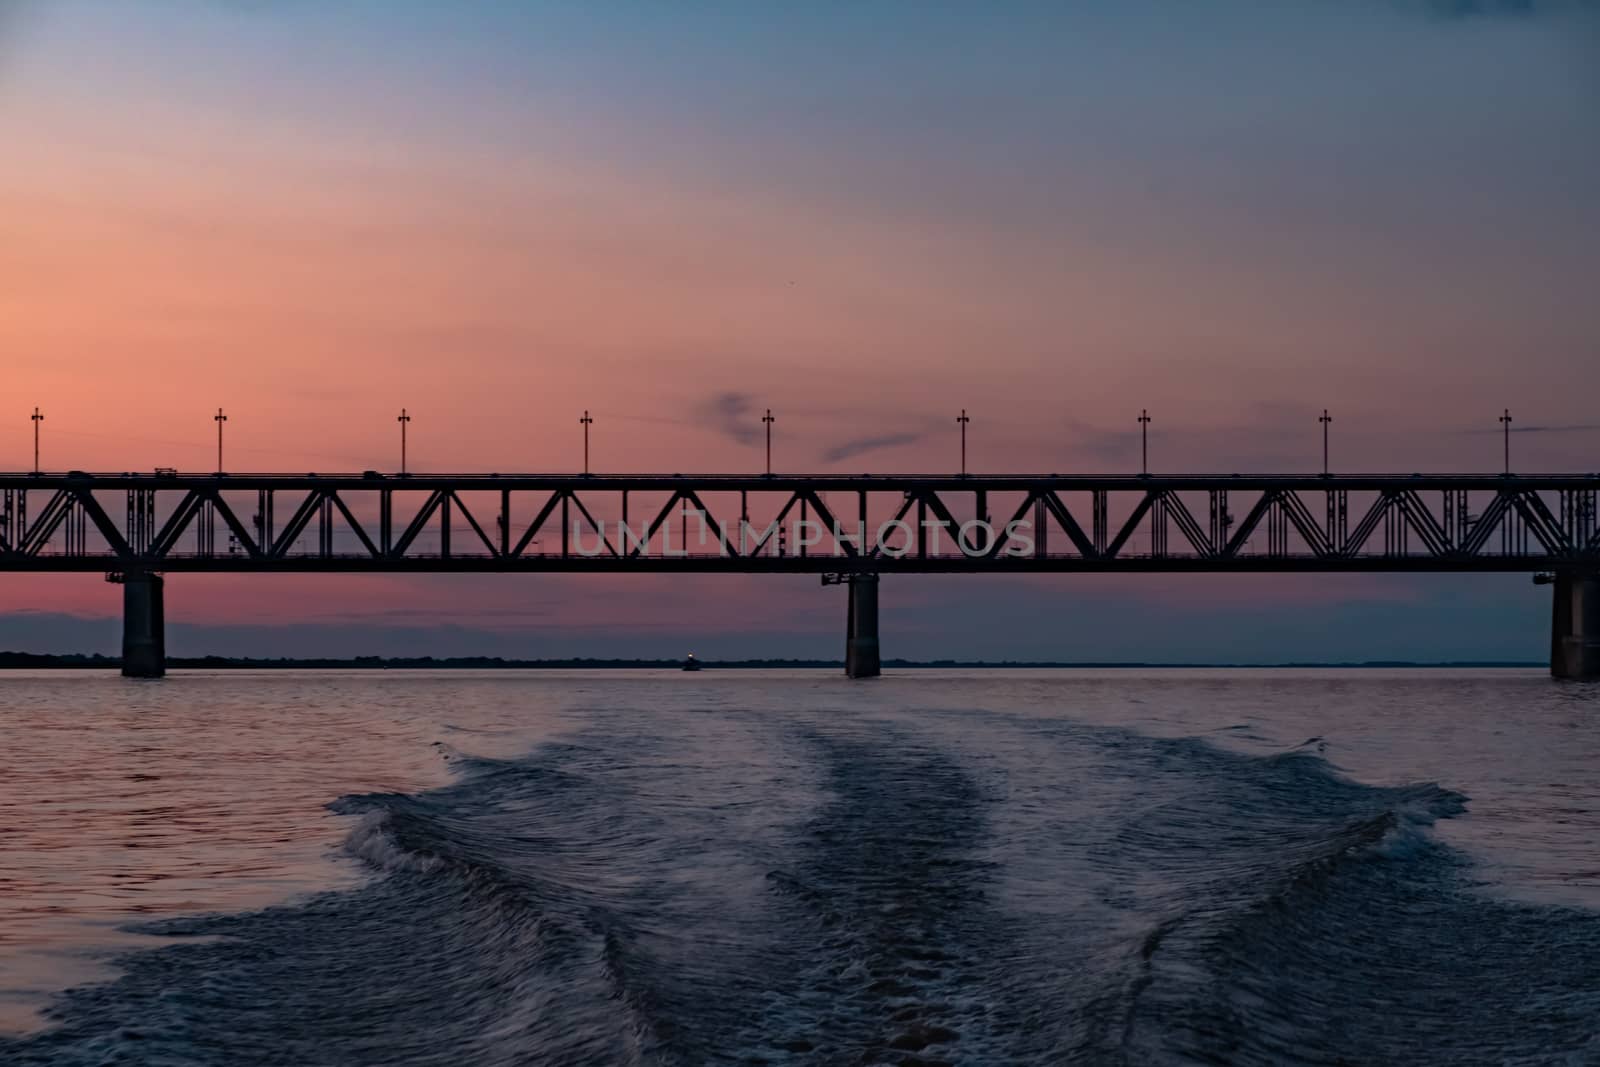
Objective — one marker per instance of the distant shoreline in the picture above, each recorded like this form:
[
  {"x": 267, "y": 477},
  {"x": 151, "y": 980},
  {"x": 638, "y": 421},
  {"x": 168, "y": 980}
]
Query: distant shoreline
[{"x": 40, "y": 661}]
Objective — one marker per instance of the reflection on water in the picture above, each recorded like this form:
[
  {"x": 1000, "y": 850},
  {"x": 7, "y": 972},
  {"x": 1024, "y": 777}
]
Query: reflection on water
[{"x": 596, "y": 867}]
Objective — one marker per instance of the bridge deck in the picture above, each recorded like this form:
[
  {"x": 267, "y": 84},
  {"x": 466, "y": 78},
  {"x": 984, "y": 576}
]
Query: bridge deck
[{"x": 785, "y": 482}]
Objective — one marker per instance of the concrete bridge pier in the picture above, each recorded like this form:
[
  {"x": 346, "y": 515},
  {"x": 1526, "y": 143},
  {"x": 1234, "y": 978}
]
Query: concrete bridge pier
[
  {"x": 1575, "y": 626},
  {"x": 144, "y": 629},
  {"x": 861, "y": 627}
]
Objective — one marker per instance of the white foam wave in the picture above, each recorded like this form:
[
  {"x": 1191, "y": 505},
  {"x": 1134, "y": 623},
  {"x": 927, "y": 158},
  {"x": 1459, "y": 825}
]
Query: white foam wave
[{"x": 370, "y": 841}]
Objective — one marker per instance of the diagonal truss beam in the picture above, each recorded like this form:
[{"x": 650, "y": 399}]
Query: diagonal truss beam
[
  {"x": 297, "y": 524},
  {"x": 946, "y": 519},
  {"x": 1080, "y": 540},
  {"x": 825, "y": 516},
  {"x": 1140, "y": 510},
  {"x": 494, "y": 549},
  {"x": 1247, "y": 527},
  {"x": 662, "y": 516},
  {"x": 1420, "y": 518},
  {"x": 102, "y": 522},
  {"x": 176, "y": 524},
  {"x": 771, "y": 529},
  {"x": 899, "y": 517},
  {"x": 419, "y": 523},
  {"x": 605, "y": 541},
  {"x": 538, "y": 523},
  {"x": 1486, "y": 525},
  {"x": 1198, "y": 539},
  {"x": 235, "y": 527},
  {"x": 1546, "y": 529},
  {"x": 356, "y": 526},
  {"x": 1002, "y": 536},
  {"x": 45, "y": 526},
  {"x": 1369, "y": 522},
  {"x": 711, "y": 520}
]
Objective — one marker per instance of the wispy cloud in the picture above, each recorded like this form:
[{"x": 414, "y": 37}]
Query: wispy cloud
[
  {"x": 860, "y": 445},
  {"x": 1470, "y": 9},
  {"x": 734, "y": 416}
]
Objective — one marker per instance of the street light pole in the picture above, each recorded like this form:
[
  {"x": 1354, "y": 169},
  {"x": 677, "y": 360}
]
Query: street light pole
[
  {"x": 1144, "y": 442},
  {"x": 219, "y": 418},
  {"x": 37, "y": 419},
  {"x": 1325, "y": 420},
  {"x": 1505, "y": 421},
  {"x": 403, "y": 419},
  {"x": 587, "y": 421},
  {"x": 769, "y": 420},
  {"x": 963, "y": 420}
]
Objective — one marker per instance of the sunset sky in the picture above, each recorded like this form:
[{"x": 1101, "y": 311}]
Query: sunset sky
[{"x": 866, "y": 216}]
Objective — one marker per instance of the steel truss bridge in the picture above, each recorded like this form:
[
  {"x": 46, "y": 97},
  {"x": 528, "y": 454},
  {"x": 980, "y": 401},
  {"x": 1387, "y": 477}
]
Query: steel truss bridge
[
  {"x": 136, "y": 527},
  {"x": 466, "y": 522}
]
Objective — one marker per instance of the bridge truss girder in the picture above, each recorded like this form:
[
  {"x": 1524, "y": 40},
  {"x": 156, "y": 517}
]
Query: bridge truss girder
[{"x": 934, "y": 524}]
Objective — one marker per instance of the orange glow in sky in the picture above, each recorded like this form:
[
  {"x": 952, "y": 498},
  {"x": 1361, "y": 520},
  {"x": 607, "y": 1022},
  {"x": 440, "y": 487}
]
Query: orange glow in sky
[{"x": 499, "y": 216}]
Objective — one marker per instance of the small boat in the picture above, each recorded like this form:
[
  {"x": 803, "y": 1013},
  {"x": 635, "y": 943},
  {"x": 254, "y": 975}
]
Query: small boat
[{"x": 691, "y": 664}]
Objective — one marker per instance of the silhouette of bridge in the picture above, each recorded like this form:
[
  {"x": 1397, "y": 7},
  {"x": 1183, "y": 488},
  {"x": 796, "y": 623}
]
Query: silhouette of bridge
[{"x": 850, "y": 529}]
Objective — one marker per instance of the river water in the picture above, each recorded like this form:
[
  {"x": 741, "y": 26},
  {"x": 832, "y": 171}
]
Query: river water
[{"x": 997, "y": 867}]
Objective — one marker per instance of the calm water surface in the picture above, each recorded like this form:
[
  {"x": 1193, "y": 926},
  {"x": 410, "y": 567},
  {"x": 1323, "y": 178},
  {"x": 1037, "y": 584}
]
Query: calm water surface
[{"x": 1252, "y": 867}]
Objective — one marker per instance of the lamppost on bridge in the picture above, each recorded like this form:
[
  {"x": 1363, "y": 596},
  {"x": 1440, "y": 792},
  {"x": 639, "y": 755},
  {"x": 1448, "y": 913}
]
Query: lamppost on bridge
[
  {"x": 963, "y": 420},
  {"x": 1144, "y": 442},
  {"x": 1325, "y": 420},
  {"x": 219, "y": 418},
  {"x": 37, "y": 419},
  {"x": 403, "y": 419},
  {"x": 769, "y": 420},
  {"x": 1505, "y": 421},
  {"x": 587, "y": 421}
]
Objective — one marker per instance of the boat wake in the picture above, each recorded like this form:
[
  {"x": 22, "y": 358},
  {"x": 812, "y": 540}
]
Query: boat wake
[{"x": 977, "y": 891}]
